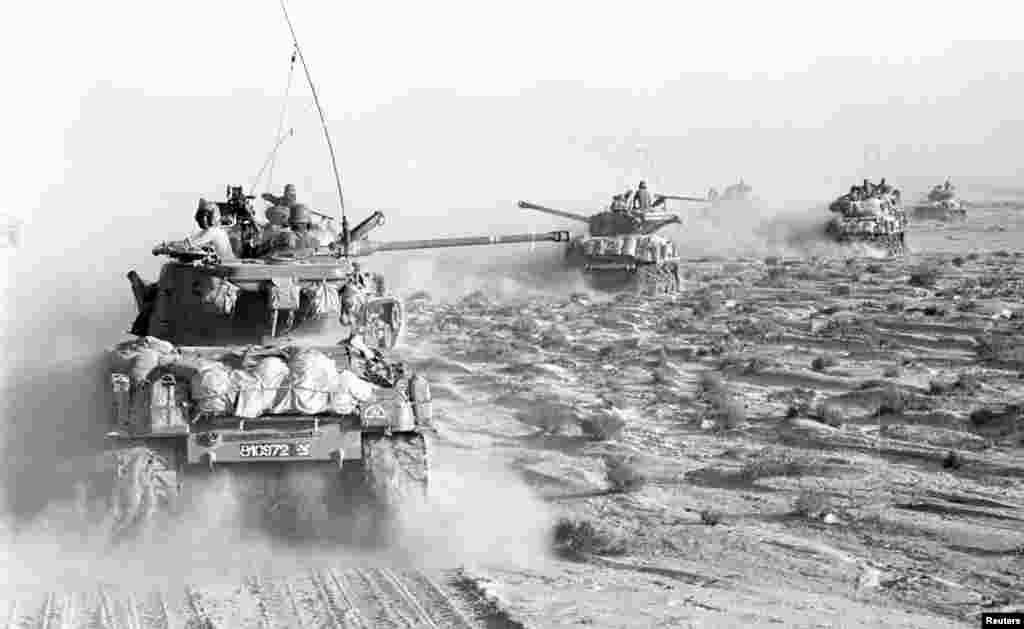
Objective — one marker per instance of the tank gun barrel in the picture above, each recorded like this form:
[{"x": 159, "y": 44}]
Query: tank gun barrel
[
  {"x": 366, "y": 247},
  {"x": 540, "y": 208},
  {"x": 683, "y": 198}
]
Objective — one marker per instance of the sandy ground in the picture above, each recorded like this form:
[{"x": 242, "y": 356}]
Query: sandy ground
[{"x": 790, "y": 442}]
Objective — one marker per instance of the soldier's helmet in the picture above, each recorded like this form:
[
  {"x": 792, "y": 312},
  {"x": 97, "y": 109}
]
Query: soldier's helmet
[
  {"x": 277, "y": 215},
  {"x": 643, "y": 185},
  {"x": 289, "y": 192},
  {"x": 299, "y": 215},
  {"x": 208, "y": 210}
]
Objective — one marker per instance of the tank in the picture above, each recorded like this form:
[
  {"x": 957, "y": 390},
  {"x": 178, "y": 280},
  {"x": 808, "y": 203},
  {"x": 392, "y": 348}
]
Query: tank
[
  {"x": 10, "y": 232},
  {"x": 736, "y": 192},
  {"x": 942, "y": 203},
  {"x": 738, "y": 196},
  {"x": 876, "y": 221},
  {"x": 621, "y": 251},
  {"x": 277, "y": 363}
]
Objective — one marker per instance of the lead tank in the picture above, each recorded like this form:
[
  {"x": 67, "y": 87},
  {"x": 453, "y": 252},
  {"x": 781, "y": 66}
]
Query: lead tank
[
  {"x": 278, "y": 361},
  {"x": 621, "y": 250},
  {"x": 942, "y": 203},
  {"x": 875, "y": 220}
]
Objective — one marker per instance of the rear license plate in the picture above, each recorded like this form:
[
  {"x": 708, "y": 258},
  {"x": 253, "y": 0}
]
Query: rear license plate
[{"x": 273, "y": 450}]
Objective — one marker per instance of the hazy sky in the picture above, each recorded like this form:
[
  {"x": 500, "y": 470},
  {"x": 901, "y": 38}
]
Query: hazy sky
[{"x": 139, "y": 108}]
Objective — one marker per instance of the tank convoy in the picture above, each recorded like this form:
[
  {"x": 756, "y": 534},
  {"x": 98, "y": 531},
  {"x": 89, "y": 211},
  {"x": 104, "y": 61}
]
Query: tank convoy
[
  {"x": 870, "y": 216},
  {"x": 942, "y": 203},
  {"x": 621, "y": 250}
]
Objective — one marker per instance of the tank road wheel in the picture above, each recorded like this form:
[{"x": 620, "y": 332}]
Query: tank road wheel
[
  {"x": 136, "y": 489},
  {"x": 648, "y": 281}
]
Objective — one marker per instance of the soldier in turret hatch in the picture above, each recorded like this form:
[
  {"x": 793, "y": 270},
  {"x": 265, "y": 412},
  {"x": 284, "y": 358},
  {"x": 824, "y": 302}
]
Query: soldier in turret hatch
[
  {"x": 301, "y": 223},
  {"x": 286, "y": 200},
  {"x": 643, "y": 198},
  {"x": 211, "y": 234},
  {"x": 275, "y": 233}
]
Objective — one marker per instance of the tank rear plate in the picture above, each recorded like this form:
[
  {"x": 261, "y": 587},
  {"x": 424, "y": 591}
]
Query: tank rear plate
[{"x": 325, "y": 443}]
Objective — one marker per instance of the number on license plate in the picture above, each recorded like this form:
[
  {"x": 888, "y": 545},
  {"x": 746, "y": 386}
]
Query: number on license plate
[{"x": 273, "y": 450}]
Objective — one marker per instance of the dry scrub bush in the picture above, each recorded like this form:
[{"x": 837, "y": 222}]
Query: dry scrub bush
[
  {"x": 924, "y": 277},
  {"x": 576, "y": 536},
  {"x": 622, "y": 476},
  {"x": 710, "y": 517},
  {"x": 821, "y": 363},
  {"x": 769, "y": 468},
  {"x": 602, "y": 427},
  {"x": 829, "y": 414},
  {"x": 812, "y": 503}
]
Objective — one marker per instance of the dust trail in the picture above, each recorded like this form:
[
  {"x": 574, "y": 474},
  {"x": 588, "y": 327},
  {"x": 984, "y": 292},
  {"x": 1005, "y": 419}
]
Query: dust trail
[
  {"x": 505, "y": 272},
  {"x": 792, "y": 228},
  {"x": 480, "y": 512}
]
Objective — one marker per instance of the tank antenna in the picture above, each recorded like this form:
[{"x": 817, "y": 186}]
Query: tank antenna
[{"x": 323, "y": 122}]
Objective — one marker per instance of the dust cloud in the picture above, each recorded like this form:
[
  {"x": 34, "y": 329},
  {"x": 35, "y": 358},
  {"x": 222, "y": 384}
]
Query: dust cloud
[{"x": 66, "y": 299}]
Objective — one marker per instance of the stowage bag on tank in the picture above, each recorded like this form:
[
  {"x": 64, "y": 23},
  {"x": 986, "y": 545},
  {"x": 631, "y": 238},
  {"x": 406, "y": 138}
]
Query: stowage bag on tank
[
  {"x": 212, "y": 388},
  {"x": 249, "y": 403},
  {"x": 314, "y": 377},
  {"x": 275, "y": 381},
  {"x": 320, "y": 301},
  {"x": 218, "y": 295},
  {"x": 138, "y": 358}
]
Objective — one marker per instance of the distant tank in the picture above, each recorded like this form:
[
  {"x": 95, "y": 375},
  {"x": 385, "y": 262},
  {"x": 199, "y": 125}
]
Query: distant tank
[
  {"x": 621, "y": 250},
  {"x": 942, "y": 203},
  {"x": 737, "y": 196},
  {"x": 275, "y": 361},
  {"x": 10, "y": 232},
  {"x": 874, "y": 219},
  {"x": 736, "y": 192}
]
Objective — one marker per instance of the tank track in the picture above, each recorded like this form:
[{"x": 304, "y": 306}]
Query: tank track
[
  {"x": 893, "y": 245},
  {"x": 656, "y": 280}
]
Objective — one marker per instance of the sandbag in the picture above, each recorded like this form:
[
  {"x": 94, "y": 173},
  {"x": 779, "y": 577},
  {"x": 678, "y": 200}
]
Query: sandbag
[
  {"x": 314, "y": 377},
  {"x": 212, "y": 388},
  {"x": 275, "y": 381}
]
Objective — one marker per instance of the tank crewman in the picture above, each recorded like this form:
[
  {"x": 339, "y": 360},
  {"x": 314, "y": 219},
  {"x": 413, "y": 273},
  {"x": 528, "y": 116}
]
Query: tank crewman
[
  {"x": 276, "y": 232},
  {"x": 286, "y": 200},
  {"x": 643, "y": 197},
  {"x": 301, "y": 222},
  {"x": 619, "y": 202},
  {"x": 211, "y": 233}
]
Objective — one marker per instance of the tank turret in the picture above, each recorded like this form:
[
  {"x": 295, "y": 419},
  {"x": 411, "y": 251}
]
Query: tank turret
[
  {"x": 621, "y": 249},
  {"x": 870, "y": 216},
  {"x": 942, "y": 203}
]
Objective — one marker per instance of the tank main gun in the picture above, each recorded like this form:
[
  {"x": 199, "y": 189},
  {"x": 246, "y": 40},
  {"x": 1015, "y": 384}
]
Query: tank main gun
[
  {"x": 616, "y": 222},
  {"x": 540, "y": 208},
  {"x": 680, "y": 198},
  {"x": 362, "y": 248}
]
